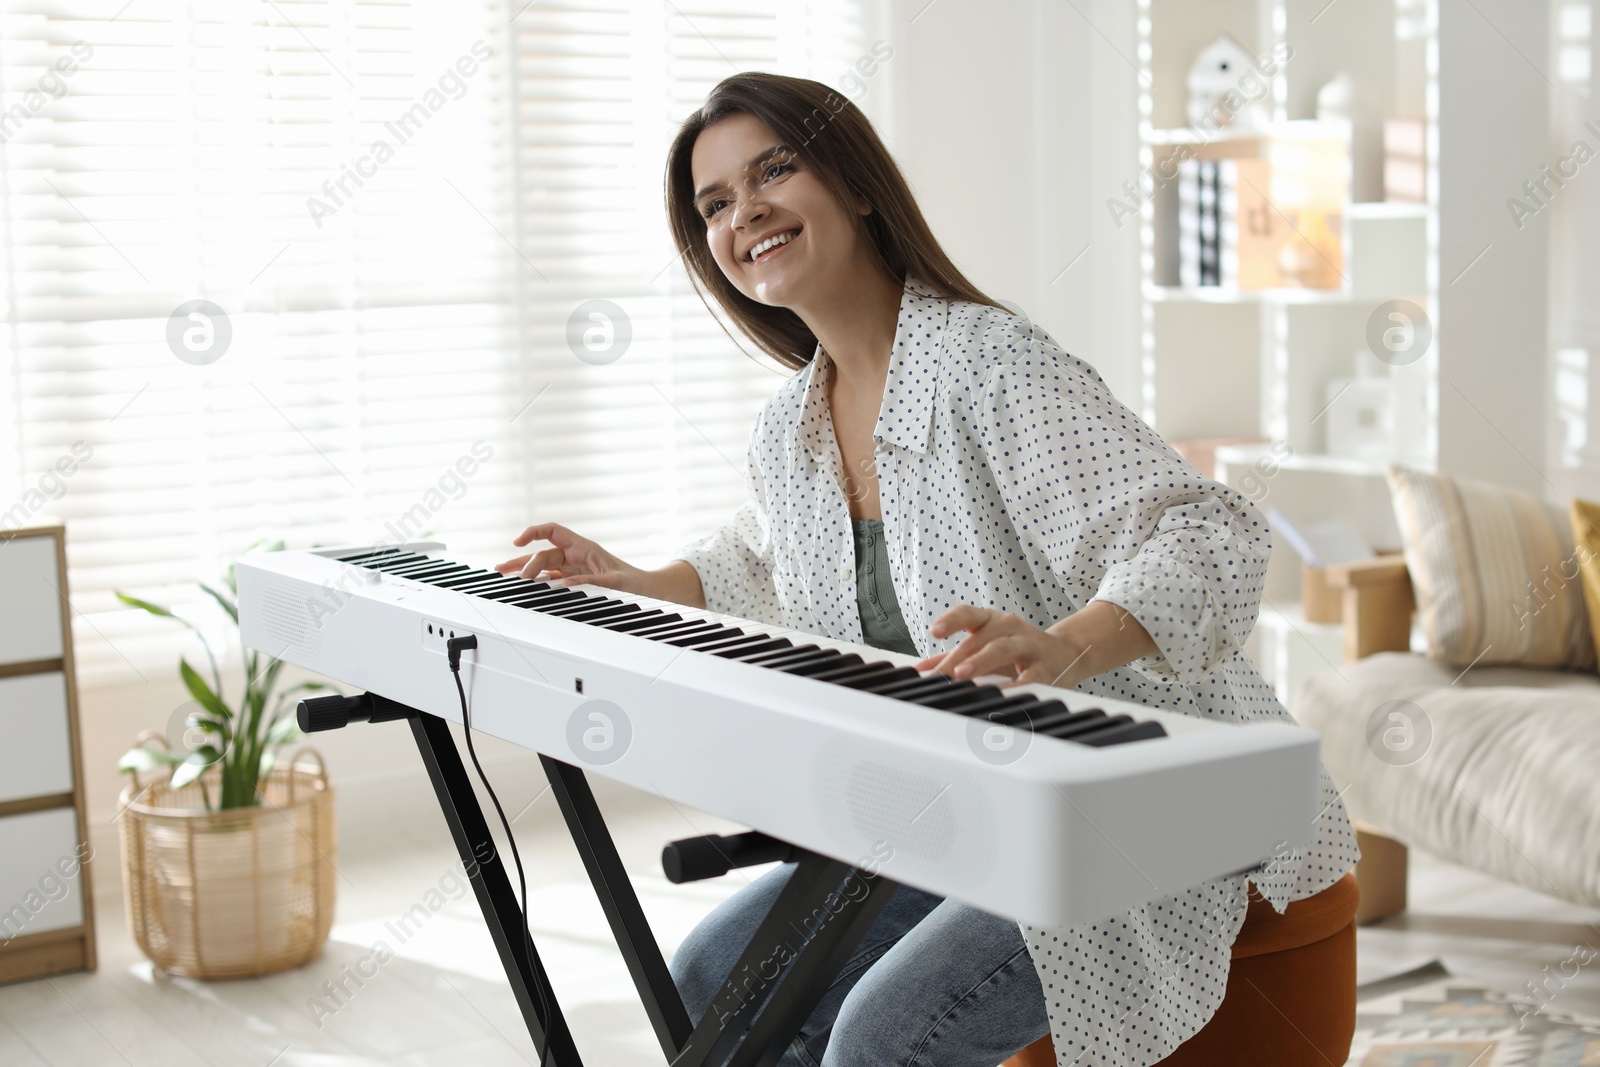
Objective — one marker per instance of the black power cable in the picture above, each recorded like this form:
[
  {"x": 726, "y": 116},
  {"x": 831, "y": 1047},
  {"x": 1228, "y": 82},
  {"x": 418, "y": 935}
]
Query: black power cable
[{"x": 456, "y": 645}]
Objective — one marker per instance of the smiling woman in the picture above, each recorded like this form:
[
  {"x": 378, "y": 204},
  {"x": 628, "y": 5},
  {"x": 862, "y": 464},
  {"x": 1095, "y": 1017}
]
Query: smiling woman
[
  {"x": 783, "y": 155},
  {"x": 938, "y": 477}
]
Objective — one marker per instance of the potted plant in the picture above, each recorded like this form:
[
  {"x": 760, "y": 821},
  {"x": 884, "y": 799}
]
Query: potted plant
[{"x": 228, "y": 863}]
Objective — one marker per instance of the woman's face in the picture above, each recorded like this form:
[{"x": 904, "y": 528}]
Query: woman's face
[{"x": 750, "y": 188}]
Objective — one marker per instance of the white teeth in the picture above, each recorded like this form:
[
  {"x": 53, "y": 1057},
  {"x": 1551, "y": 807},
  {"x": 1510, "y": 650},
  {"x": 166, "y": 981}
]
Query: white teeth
[{"x": 780, "y": 239}]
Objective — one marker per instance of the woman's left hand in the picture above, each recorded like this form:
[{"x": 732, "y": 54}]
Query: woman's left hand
[{"x": 1004, "y": 644}]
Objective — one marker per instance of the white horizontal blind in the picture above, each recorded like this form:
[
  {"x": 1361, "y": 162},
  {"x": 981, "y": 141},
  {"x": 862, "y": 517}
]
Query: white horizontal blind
[
  {"x": 647, "y": 451},
  {"x": 398, "y": 207}
]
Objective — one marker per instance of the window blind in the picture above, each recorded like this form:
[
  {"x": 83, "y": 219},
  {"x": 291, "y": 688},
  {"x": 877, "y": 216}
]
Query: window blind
[{"x": 394, "y": 214}]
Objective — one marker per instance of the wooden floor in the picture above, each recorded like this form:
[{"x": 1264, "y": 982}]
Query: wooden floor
[{"x": 442, "y": 998}]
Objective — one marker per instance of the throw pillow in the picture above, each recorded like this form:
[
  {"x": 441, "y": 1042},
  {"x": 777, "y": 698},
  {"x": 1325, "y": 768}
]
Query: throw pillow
[
  {"x": 1586, "y": 533},
  {"x": 1494, "y": 570}
]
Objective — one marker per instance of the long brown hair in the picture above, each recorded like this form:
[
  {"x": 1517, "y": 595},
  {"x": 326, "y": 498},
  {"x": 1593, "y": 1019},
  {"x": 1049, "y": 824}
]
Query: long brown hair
[{"x": 841, "y": 147}]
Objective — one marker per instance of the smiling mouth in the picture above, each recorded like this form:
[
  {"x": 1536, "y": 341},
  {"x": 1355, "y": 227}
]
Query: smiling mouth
[{"x": 767, "y": 253}]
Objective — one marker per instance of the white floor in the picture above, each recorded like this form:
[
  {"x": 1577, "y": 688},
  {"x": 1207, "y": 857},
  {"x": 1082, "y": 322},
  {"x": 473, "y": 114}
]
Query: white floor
[{"x": 442, "y": 999}]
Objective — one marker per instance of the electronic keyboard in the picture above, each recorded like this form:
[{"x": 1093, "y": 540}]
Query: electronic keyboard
[{"x": 1031, "y": 802}]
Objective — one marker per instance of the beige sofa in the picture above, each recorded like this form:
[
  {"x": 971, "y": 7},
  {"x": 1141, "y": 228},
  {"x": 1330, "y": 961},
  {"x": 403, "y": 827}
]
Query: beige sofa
[{"x": 1493, "y": 768}]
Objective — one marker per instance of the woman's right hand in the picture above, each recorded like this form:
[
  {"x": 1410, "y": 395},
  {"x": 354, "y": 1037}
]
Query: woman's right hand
[{"x": 573, "y": 560}]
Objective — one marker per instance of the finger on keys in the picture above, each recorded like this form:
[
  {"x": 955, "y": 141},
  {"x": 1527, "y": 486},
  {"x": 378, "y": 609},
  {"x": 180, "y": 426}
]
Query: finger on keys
[
  {"x": 549, "y": 559},
  {"x": 541, "y": 532}
]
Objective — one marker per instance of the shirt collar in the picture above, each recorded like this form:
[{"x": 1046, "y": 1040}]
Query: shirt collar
[{"x": 907, "y": 408}]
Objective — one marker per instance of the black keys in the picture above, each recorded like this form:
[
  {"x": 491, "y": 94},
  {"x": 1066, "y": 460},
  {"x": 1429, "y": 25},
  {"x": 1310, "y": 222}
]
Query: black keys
[
  {"x": 845, "y": 671},
  {"x": 875, "y": 673},
  {"x": 1056, "y": 719},
  {"x": 581, "y": 604},
  {"x": 425, "y": 567},
  {"x": 1080, "y": 732},
  {"x": 431, "y": 572},
  {"x": 615, "y": 610},
  {"x": 642, "y": 621},
  {"x": 995, "y": 706},
  {"x": 469, "y": 577},
  {"x": 743, "y": 649},
  {"x": 518, "y": 591},
  {"x": 369, "y": 554},
  {"x": 954, "y": 701},
  {"x": 677, "y": 629},
  {"x": 406, "y": 560},
  {"x": 715, "y": 633},
  {"x": 922, "y": 686},
  {"x": 1136, "y": 731},
  {"x": 788, "y": 655},
  {"x": 734, "y": 638},
  {"x": 811, "y": 669},
  {"x": 545, "y": 598}
]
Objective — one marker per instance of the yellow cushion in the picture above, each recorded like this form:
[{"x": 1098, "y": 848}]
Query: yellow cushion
[
  {"x": 1586, "y": 535},
  {"x": 1494, "y": 571}
]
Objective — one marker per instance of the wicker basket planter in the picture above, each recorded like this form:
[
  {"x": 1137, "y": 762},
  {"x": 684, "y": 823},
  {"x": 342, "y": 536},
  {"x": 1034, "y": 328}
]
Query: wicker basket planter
[{"x": 236, "y": 893}]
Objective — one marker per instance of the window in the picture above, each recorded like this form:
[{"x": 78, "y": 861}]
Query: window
[{"x": 306, "y": 270}]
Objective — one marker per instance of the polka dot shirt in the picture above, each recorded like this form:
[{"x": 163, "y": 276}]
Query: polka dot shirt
[{"x": 1010, "y": 477}]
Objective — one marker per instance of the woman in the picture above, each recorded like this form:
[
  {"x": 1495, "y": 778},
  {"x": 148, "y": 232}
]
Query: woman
[{"x": 940, "y": 479}]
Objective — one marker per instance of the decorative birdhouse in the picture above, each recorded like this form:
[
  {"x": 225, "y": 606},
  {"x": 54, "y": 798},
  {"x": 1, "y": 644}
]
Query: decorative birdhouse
[{"x": 1222, "y": 68}]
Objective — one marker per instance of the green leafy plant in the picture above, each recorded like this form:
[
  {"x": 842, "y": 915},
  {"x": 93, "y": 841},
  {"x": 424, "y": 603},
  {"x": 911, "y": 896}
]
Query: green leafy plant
[{"x": 244, "y": 740}]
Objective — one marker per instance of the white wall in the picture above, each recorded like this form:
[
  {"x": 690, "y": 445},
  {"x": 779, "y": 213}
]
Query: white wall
[
  {"x": 1015, "y": 121},
  {"x": 1495, "y": 82}
]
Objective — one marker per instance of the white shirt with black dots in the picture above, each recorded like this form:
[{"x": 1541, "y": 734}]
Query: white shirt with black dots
[{"x": 1009, "y": 477}]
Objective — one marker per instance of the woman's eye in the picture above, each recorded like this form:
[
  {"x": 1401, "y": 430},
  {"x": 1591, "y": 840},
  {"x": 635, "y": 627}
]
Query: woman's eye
[{"x": 711, "y": 207}]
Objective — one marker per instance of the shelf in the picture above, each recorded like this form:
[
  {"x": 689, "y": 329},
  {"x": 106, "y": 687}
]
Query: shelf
[
  {"x": 1318, "y": 463},
  {"x": 1292, "y": 129},
  {"x": 1177, "y": 294},
  {"x": 1387, "y": 209},
  {"x": 1224, "y": 362}
]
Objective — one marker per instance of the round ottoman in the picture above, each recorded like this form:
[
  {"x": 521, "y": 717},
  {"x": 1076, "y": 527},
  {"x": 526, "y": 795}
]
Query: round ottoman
[{"x": 1291, "y": 996}]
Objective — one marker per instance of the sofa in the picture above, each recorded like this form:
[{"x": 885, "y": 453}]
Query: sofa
[{"x": 1491, "y": 765}]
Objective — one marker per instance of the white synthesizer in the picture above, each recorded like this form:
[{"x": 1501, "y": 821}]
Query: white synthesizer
[{"x": 1040, "y": 804}]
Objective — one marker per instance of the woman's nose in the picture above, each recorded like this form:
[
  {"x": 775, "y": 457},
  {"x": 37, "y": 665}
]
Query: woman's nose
[{"x": 749, "y": 211}]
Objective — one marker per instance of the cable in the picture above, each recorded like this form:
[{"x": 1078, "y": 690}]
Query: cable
[{"x": 455, "y": 646}]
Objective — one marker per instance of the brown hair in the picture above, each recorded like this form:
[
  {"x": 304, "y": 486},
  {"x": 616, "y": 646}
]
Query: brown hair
[{"x": 841, "y": 147}]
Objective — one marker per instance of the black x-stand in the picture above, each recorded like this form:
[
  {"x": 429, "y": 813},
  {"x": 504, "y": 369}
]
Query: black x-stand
[{"x": 812, "y": 928}]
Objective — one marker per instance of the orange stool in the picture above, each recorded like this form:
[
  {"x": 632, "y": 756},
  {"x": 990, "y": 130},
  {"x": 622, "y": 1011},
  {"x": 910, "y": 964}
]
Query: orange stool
[{"x": 1291, "y": 996}]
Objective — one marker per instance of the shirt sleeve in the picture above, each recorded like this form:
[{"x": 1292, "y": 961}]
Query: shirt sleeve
[
  {"x": 1115, "y": 509},
  {"x": 735, "y": 563}
]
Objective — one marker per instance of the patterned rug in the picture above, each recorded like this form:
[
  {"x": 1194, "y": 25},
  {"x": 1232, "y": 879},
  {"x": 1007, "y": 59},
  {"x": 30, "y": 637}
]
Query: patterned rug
[{"x": 1426, "y": 1018}]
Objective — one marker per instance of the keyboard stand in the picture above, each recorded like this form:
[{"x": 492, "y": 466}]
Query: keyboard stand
[{"x": 801, "y": 945}]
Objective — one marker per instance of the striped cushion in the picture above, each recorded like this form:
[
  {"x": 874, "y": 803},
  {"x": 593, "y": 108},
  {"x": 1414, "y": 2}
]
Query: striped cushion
[
  {"x": 1495, "y": 573},
  {"x": 1586, "y": 532}
]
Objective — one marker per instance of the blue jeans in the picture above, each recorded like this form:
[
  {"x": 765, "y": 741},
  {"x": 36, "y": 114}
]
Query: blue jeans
[{"x": 934, "y": 982}]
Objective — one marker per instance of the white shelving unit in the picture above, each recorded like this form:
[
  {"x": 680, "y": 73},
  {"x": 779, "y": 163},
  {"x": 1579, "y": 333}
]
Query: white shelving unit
[
  {"x": 1219, "y": 362},
  {"x": 46, "y": 906}
]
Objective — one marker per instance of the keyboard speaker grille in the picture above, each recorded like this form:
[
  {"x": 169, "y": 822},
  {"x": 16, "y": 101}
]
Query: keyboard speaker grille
[
  {"x": 289, "y": 620},
  {"x": 948, "y": 821}
]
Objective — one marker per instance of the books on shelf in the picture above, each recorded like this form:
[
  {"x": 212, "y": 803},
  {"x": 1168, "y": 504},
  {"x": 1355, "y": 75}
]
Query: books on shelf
[
  {"x": 1248, "y": 224},
  {"x": 1228, "y": 232}
]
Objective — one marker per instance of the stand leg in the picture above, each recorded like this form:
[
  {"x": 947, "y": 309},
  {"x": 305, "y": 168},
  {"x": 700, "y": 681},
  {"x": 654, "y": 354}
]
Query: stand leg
[
  {"x": 822, "y": 914},
  {"x": 803, "y": 942},
  {"x": 489, "y": 881},
  {"x": 662, "y": 1001}
]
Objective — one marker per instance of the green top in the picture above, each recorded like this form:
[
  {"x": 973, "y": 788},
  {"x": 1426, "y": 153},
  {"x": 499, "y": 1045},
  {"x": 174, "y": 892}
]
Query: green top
[{"x": 882, "y": 625}]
